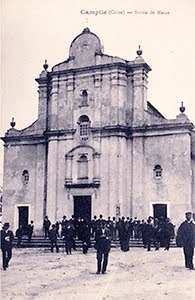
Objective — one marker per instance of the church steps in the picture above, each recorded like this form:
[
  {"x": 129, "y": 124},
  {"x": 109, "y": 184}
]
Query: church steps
[{"x": 41, "y": 242}]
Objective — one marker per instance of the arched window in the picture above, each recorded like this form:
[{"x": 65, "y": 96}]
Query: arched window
[
  {"x": 83, "y": 167},
  {"x": 84, "y": 127},
  {"x": 157, "y": 172},
  {"x": 84, "y": 98},
  {"x": 25, "y": 177}
]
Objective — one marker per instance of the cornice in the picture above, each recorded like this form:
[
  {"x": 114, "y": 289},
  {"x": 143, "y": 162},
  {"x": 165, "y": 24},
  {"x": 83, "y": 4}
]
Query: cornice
[
  {"x": 112, "y": 130},
  {"x": 74, "y": 71},
  {"x": 43, "y": 80},
  {"x": 163, "y": 127},
  {"x": 25, "y": 138},
  {"x": 63, "y": 132},
  {"x": 109, "y": 66},
  {"x": 82, "y": 185}
]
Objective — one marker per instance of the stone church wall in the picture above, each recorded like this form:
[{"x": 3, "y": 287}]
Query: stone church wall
[
  {"x": 18, "y": 159},
  {"x": 172, "y": 153}
]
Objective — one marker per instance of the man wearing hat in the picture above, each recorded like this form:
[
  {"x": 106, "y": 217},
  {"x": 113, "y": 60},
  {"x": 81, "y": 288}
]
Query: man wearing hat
[
  {"x": 186, "y": 239},
  {"x": 6, "y": 244},
  {"x": 53, "y": 238},
  {"x": 102, "y": 245}
]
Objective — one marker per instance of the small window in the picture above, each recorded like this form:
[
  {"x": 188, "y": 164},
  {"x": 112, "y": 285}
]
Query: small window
[
  {"x": 84, "y": 101},
  {"x": 25, "y": 177},
  {"x": 84, "y": 128},
  {"x": 83, "y": 167},
  {"x": 157, "y": 172}
]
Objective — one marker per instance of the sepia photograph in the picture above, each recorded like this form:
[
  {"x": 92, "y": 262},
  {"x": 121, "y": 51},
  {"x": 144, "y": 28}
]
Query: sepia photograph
[{"x": 97, "y": 150}]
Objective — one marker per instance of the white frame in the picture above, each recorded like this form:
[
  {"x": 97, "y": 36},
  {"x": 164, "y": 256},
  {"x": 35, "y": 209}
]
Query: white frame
[
  {"x": 16, "y": 214},
  {"x": 151, "y": 212}
]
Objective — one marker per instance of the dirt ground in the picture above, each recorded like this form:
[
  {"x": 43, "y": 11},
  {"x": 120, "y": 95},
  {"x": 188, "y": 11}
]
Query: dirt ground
[{"x": 137, "y": 274}]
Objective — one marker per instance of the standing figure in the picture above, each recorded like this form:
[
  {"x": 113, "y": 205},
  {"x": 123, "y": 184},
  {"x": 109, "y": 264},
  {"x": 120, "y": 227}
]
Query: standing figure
[
  {"x": 46, "y": 225},
  {"x": 118, "y": 227},
  {"x": 86, "y": 238},
  {"x": 167, "y": 233},
  {"x": 6, "y": 245},
  {"x": 19, "y": 234},
  {"x": 186, "y": 239},
  {"x": 73, "y": 222},
  {"x": 30, "y": 229},
  {"x": 139, "y": 229},
  {"x": 53, "y": 238},
  {"x": 135, "y": 228},
  {"x": 68, "y": 238},
  {"x": 100, "y": 221},
  {"x": 64, "y": 224},
  {"x": 80, "y": 225},
  {"x": 143, "y": 228},
  {"x": 93, "y": 225},
  {"x": 113, "y": 228},
  {"x": 157, "y": 235},
  {"x": 109, "y": 222},
  {"x": 57, "y": 228},
  {"x": 103, "y": 244},
  {"x": 130, "y": 228},
  {"x": 148, "y": 235},
  {"x": 124, "y": 235}
]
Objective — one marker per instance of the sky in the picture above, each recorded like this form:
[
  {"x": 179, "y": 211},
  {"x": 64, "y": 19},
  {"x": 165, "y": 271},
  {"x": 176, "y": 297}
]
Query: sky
[{"x": 35, "y": 30}]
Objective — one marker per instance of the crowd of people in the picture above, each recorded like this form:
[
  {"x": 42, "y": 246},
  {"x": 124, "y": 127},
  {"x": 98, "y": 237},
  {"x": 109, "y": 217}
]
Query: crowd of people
[
  {"x": 156, "y": 232},
  {"x": 20, "y": 232}
]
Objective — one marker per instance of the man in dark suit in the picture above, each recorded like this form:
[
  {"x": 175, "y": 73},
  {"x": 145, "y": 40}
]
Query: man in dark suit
[
  {"x": 186, "y": 239},
  {"x": 103, "y": 243},
  {"x": 46, "y": 226},
  {"x": 19, "y": 234},
  {"x": 6, "y": 245},
  {"x": 30, "y": 229},
  {"x": 64, "y": 224},
  {"x": 68, "y": 238},
  {"x": 101, "y": 221},
  {"x": 93, "y": 226},
  {"x": 53, "y": 238},
  {"x": 86, "y": 243},
  {"x": 148, "y": 235}
]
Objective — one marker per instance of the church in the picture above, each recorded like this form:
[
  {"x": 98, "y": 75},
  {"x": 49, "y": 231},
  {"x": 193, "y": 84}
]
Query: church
[{"x": 98, "y": 145}]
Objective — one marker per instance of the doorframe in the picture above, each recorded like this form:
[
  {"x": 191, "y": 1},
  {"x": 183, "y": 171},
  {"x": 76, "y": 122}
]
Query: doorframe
[
  {"x": 151, "y": 211},
  {"x": 16, "y": 214},
  {"x": 83, "y": 196},
  {"x": 82, "y": 192}
]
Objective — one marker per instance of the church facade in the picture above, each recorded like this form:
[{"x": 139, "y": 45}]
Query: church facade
[{"x": 98, "y": 145}]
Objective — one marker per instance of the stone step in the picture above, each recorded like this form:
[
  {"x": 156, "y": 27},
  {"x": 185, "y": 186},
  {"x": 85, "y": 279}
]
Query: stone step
[{"x": 40, "y": 242}]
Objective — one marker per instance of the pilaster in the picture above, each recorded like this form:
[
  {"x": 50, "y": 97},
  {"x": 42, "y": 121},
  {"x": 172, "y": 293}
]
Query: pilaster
[
  {"x": 54, "y": 104},
  {"x": 139, "y": 95},
  {"x": 52, "y": 179}
]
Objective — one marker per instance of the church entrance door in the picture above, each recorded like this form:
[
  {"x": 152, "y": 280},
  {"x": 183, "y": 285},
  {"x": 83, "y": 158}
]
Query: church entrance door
[
  {"x": 82, "y": 207},
  {"x": 160, "y": 211},
  {"x": 23, "y": 212}
]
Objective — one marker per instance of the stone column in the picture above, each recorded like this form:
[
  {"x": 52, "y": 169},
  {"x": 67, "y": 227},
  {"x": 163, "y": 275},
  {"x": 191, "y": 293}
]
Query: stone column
[{"x": 96, "y": 167}]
